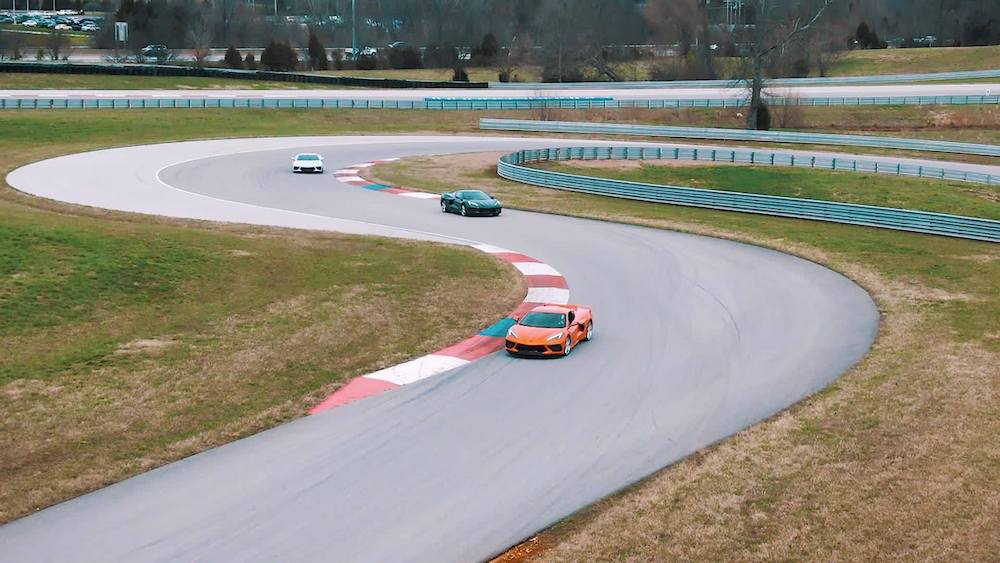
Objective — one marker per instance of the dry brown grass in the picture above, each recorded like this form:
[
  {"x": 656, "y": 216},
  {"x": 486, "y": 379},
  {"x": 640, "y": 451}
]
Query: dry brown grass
[
  {"x": 157, "y": 399},
  {"x": 899, "y": 459}
]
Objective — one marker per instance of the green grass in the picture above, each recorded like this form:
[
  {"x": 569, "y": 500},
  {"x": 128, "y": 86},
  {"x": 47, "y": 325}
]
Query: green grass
[
  {"x": 38, "y": 37},
  {"x": 127, "y": 342},
  {"x": 957, "y": 198},
  {"x": 904, "y": 61}
]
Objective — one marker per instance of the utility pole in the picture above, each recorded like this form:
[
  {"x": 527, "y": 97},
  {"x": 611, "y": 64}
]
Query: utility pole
[{"x": 354, "y": 30}]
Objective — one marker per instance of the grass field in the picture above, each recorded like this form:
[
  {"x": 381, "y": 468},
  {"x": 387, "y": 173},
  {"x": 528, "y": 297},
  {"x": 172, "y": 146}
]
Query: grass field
[
  {"x": 903, "y": 61},
  {"x": 958, "y": 198},
  {"x": 898, "y": 459},
  {"x": 128, "y": 342},
  {"x": 34, "y": 38}
]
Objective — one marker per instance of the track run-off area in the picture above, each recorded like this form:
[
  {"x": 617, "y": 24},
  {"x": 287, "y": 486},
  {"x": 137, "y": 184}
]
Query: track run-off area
[{"x": 697, "y": 338}]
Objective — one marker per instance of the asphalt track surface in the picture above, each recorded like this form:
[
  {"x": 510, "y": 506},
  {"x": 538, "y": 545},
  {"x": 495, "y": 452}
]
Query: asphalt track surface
[
  {"x": 696, "y": 339},
  {"x": 714, "y": 93}
]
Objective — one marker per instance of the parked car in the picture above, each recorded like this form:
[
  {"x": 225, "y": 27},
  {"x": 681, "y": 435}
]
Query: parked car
[
  {"x": 89, "y": 27},
  {"x": 154, "y": 51},
  {"x": 29, "y": 23},
  {"x": 62, "y": 27}
]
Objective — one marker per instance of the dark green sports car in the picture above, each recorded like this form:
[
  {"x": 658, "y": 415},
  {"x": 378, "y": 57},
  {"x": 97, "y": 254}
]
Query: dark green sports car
[{"x": 470, "y": 202}]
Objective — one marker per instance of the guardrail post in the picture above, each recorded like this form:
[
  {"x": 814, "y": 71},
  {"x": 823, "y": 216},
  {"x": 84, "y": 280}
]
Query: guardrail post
[
  {"x": 695, "y": 154},
  {"x": 676, "y": 153},
  {"x": 713, "y": 155},
  {"x": 793, "y": 160},
  {"x": 898, "y": 168},
  {"x": 854, "y": 165},
  {"x": 833, "y": 165},
  {"x": 752, "y": 153},
  {"x": 920, "y": 171},
  {"x": 732, "y": 156},
  {"x": 772, "y": 159}
]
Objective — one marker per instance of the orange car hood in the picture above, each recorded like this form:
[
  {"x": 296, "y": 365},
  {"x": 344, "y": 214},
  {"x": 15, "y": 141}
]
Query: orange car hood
[{"x": 536, "y": 335}]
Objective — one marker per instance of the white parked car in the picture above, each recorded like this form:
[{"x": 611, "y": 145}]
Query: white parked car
[
  {"x": 62, "y": 27},
  {"x": 29, "y": 23},
  {"x": 307, "y": 162}
]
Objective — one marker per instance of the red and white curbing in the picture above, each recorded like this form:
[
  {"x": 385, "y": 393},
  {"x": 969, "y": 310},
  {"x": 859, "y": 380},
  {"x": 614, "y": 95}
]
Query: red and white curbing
[
  {"x": 545, "y": 285},
  {"x": 352, "y": 175}
]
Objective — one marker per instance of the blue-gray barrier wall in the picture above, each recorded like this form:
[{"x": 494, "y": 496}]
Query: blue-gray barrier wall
[
  {"x": 512, "y": 167},
  {"x": 872, "y": 141},
  {"x": 74, "y": 102}
]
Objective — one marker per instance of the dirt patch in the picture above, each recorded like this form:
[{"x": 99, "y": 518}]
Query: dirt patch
[
  {"x": 981, "y": 258},
  {"x": 145, "y": 346}
]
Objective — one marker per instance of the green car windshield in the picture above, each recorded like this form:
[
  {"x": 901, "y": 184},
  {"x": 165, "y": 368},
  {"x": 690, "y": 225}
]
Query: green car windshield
[
  {"x": 544, "y": 320},
  {"x": 474, "y": 195}
]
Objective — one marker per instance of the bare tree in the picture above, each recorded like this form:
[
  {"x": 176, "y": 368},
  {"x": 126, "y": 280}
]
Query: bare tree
[
  {"x": 774, "y": 29},
  {"x": 686, "y": 23},
  {"x": 56, "y": 44},
  {"x": 200, "y": 35}
]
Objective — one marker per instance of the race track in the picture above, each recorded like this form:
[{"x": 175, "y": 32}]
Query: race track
[
  {"x": 696, "y": 339},
  {"x": 418, "y": 94}
]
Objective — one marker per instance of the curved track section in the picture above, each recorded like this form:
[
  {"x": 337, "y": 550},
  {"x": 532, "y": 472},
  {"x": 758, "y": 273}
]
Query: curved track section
[{"x": 697, "y": 339}]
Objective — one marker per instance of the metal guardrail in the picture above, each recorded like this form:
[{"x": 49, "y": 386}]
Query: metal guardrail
[
  {"x": 774, "y": 82},
  {"x": 512, "y": 167},
  {"x": 235, "y": 74},
  {"x": 738, "y": 135},
  {"x": 79, "y": 102},
  {"x": 291, "y": 102}
]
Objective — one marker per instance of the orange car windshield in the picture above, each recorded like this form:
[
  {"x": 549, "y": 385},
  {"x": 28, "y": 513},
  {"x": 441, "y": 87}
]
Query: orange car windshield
[{"x": 544, "y": 320}]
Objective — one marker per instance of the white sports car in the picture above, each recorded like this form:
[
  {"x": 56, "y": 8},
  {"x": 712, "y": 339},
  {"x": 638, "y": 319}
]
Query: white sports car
[{"x": 307, "y": 162}]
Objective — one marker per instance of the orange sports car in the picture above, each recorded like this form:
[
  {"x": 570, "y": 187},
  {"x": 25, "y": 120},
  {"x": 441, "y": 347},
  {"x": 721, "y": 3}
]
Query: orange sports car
[{"x": 550, "y": 330}]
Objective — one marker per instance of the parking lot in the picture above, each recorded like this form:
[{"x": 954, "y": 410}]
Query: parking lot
[{"x": 64, "y": 20}]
